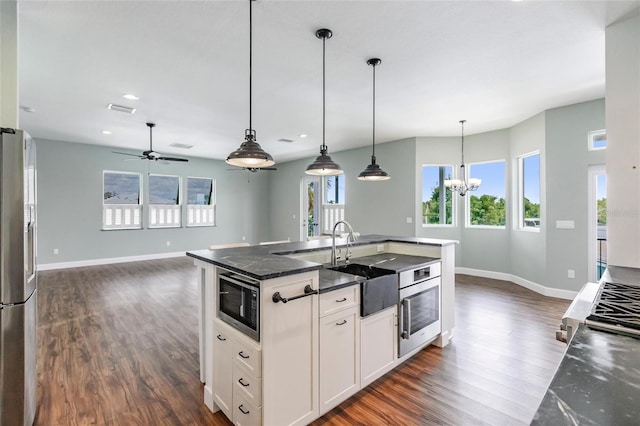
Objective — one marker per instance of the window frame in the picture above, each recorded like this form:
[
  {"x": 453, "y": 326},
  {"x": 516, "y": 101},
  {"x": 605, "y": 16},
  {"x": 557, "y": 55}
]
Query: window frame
[
  {"x": 454, "y": 222},
  {"x": 108, "y": 209},
  {"x": 160, "y": 213},
  {"x": 519, "y": 222},
  {"x": 591, "y": 139},
  {"x": 467, "y": 214},
  {"x": 209, "y": 209}
]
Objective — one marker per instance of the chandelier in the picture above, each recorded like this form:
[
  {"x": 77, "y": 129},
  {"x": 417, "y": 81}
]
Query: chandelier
[{"x": 463, "y": 185}]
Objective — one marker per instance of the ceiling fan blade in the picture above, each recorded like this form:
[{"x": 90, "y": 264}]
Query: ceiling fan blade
[
  {"x": 184, "y": 160},
  {"x": 268, "y": 168},
  {"x": 126, "y": 153}
]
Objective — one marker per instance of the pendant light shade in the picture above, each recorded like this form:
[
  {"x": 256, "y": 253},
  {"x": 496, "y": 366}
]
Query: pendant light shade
[
  {"x": 323, "y": 164},
  {"x": 250, "y": 154},
  {"x": 373, "y": 172}
]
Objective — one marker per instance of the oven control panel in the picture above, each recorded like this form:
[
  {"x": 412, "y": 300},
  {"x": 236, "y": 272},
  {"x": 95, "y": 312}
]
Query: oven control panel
[{"x": 413, "y": 276}]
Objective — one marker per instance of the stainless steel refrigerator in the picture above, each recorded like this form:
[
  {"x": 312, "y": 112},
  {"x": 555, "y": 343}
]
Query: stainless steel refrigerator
[{"x": 18, "y": 279}]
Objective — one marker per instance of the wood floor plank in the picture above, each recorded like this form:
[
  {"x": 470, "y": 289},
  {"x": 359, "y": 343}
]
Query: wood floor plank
[{"x": 118, "y": 345}]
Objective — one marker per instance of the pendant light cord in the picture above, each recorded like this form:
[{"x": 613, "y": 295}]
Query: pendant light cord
[
  {"x": 250, "y": 59},
  {"x": 324, "y": 39},
  {"x": 374, "y": 111}
]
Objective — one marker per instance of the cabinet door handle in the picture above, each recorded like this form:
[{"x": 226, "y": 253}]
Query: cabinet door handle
[
  {"x": 241, "y": 353},
  {"x": 222, "y": 339},
  {"x": 344, "y": 299},
  {"x": 242, "y": 382},
  {"x": 308, "y": 291},
  {"x": 343, "y": 322},
  {"x": 242, "y": 410}
]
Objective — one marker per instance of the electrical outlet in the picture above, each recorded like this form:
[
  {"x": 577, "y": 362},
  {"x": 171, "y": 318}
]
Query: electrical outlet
[
  {"x": 168, "y": 243},
  {"x": 380, "y": 248},
  {"x": 56, "y": 251},
  {"x": 243, "y": 238},
  {"x": 571, "y": 273},
  {"x": 409, "y": 220}
]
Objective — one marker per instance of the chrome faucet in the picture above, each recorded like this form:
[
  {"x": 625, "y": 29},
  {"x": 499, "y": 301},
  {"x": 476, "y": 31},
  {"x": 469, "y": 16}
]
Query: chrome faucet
[{"x": 351, "y": 237}]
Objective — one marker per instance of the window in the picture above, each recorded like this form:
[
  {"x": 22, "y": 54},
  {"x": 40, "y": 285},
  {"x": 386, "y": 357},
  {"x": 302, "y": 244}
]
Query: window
[
  {"x": 200, "y": 202},
  {"x": 529, "y": 192},
  {"x": 334, "y": 202},
  {"x": 597, "y": 140},
  {"x": 164, "y": 201},
  {"x": 121, "y": 205},
  {"x": 486, "y": 206},
  {"x": 436, "y": 210}
]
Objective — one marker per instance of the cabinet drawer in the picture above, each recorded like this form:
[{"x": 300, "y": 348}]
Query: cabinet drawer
[
  {"x": 338, "y": 300},
  {"x": 245, "y": 413},
  {"x": 246, "y": 385},
  {"x": 249, "y": 356}
]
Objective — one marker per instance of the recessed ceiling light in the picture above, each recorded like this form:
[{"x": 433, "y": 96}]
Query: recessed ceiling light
[
  {"x": 121, "y": 108},
  {"x": 106, "y": 132},
  {"x": 27, "y": 109},
  {"x": 130, "y": 97},
  {"x": 302, "y": 135}
]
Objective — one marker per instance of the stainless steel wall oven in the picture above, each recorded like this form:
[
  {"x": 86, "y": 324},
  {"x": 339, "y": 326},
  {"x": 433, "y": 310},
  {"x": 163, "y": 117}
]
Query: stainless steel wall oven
[
  {"x": 418, "y": 307},
  {"x": 239, "y": 303}
]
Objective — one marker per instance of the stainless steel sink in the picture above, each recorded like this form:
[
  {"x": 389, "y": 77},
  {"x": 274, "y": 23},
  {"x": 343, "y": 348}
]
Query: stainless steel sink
[{"x": 378, "y": 292}]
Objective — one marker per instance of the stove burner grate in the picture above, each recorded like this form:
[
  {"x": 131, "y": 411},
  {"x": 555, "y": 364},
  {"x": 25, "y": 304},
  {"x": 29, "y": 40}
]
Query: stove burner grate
[{"x": 618, "y": 305}]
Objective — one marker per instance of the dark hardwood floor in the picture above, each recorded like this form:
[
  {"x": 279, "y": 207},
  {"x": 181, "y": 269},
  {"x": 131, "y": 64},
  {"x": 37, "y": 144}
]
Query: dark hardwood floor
[{"x": 118, "y": 345}]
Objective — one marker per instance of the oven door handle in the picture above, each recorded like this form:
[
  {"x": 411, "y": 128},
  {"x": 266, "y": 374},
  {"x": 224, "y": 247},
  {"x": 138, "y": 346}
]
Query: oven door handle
[{"x": 406, "y": 318}]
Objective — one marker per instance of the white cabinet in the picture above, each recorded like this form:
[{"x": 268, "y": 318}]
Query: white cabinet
[
  {"x": 223, "y": 370},
  {"x": 339, "y": 357},
  {"x": 237, "y": 367},
  {"x": 378, "y": 339},
  {"x": 289, "y": 350}
]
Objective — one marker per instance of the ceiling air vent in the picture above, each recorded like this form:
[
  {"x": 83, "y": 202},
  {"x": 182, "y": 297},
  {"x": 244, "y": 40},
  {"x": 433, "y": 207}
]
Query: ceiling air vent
[
  {"x": 181, "y": 145},
  {"x": 285, "y": 140},
  {"x": 121, "y": 108}
]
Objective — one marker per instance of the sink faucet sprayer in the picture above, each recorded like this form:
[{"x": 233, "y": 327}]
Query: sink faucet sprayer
[{"x": 350, "y": 238}]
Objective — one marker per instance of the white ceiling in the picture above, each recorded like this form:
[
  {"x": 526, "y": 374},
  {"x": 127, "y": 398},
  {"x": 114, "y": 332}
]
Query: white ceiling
[{"x": 491, "y": 63}]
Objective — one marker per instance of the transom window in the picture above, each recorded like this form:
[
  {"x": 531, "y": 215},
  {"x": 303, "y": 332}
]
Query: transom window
[
  {"x": 597, "y": 140},
  {"x": 121, "y": 202},
  {"x": 436, "y": 208},
  {"x": 486, "y": 206}
]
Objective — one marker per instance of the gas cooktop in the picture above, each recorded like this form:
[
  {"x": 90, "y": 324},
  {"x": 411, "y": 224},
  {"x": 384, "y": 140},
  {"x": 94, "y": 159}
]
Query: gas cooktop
[{"x": 617, "y": 309}]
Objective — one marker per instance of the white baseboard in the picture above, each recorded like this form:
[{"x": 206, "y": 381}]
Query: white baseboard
[
  {"x": 538, "y": 288},
  {"x": 94, "y": 262}
]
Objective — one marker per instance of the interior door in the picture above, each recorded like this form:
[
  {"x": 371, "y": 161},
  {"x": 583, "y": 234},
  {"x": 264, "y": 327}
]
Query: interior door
[{"x": 310, "y": 201}]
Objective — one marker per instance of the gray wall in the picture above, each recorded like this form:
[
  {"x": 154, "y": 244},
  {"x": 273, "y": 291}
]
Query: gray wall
[
  {"x": 371, "y": 207},
  {"x": 528, "y": 253},
  {"x": 567, "y": 159},
  {"x": 70, "y": 205}
]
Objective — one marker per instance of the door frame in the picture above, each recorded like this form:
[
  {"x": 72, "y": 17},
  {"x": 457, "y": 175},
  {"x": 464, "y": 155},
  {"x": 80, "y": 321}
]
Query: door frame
[{"x": 593, "y": 171}]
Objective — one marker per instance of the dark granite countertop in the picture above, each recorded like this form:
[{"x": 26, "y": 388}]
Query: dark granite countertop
[
  {"x": 597, "y": 382},
  {"x": 270, "y": 261},
  {"x": 394, "y": 262}
]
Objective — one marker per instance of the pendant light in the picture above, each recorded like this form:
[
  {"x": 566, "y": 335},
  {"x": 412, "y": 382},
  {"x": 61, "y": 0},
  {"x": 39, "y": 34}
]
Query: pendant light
[
  {"x": 250, "y": 153},
  {"x": 373, "y": 172},
  {"x": 463, "y": 185},
  {"x": 323, "y": 164}
]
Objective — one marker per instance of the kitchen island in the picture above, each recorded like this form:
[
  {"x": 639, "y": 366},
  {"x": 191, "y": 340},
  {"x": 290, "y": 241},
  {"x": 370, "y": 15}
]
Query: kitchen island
[{"x": 312, "y": 348}]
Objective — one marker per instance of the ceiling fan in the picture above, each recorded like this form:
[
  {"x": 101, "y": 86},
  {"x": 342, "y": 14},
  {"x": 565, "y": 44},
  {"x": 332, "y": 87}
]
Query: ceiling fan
[{"x": 151, "y": 154}]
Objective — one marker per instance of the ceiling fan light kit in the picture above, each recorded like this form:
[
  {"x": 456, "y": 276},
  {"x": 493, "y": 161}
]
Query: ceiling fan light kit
[
  {"x": 250, "y": 154},
  {"x": 373, "y": 172},
  {"x": 323, "y": 165},
  {"x": 150, "y": 154}
]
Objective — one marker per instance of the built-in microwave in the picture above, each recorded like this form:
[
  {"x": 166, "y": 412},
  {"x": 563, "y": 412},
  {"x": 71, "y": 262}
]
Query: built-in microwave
[{"x": 239, "y": 303}]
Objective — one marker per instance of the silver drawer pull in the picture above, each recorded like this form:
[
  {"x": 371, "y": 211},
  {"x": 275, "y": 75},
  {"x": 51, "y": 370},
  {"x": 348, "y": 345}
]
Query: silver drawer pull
[
  {"x": 242, "y": 410},
  {"x": 242, "y": 382},
  {"x": 344, "y": 299},
  {"x": 343, "y": 322},
  {"x": 241, "y": 353}
]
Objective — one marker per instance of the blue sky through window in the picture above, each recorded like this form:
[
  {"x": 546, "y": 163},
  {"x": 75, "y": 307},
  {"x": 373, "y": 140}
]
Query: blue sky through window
[
  {"x": 431, "y": 179},
  {"x": 493, "y": 178},
  {"x": 531, "y": 175}
]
